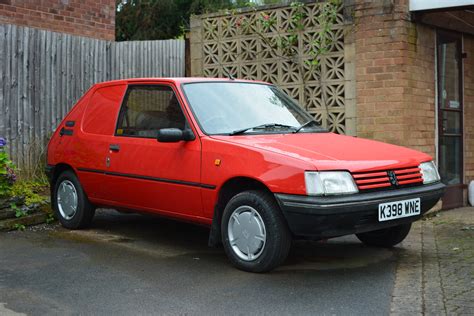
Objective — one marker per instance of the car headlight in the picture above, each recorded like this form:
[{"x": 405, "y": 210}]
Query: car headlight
[
  {"x": 329, "y": 183},
  {"x": 429, "y": 172}
]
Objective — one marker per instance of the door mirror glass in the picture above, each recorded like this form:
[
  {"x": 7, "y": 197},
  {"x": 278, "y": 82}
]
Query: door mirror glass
[{"x": 173, "y": 135}]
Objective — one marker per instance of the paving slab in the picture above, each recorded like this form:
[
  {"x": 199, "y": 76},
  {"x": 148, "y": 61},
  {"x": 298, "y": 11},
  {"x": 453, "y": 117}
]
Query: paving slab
[{"x": 435, "y": 270}]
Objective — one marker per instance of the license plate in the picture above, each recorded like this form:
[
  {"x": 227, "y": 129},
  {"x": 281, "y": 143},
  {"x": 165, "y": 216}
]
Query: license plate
[{"x": 399, "y": 209}]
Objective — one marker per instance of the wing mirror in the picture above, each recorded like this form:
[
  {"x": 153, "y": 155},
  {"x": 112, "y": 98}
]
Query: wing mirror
[{"x": 174, "y": 135}]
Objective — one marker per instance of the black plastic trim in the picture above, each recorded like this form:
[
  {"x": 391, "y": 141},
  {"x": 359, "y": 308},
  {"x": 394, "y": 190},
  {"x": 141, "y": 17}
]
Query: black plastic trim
[
  {"x": 49, "y": 171},
  {"x": 345, "y": 203},
  {"x": 70, "y": 123},
  {"x": 326, "y": 217},
  {"x": 135, "y": 176}
]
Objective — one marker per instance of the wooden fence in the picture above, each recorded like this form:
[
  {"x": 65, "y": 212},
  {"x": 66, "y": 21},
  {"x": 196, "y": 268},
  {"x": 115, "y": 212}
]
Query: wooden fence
[{"x": 43, "y": 73}]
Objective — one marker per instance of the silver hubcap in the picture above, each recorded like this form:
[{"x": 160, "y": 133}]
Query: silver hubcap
[
  {"x": 246, "y": 232},
  {"x": 67, "y": 199}
]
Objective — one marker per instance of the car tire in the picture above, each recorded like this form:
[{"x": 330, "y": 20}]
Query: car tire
[
  {"x": 262, "y": 243},
  {"x": 387, "y": 237},
  {"x": 70, "y": 204}
]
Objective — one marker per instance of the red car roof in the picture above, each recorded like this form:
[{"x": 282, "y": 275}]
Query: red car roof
[{"x": 177, "y": 80}]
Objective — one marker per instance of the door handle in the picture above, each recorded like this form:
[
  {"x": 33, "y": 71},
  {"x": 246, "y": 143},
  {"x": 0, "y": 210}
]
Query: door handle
[
  {"x": 444, "y": 124},
  {"x": 114, "y": 147},
  {"x": 63, "y": 131}
]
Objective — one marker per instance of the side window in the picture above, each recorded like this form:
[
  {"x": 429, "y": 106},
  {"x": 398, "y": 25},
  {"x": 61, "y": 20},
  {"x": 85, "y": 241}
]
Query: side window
[{"x": 146, "y": 109}]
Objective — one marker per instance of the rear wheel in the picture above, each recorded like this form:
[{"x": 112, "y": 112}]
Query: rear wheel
[
  {"x": 70, "y": 203},
  {"x": 254, "y": 233},
  {"x": 387, "y": 237}
]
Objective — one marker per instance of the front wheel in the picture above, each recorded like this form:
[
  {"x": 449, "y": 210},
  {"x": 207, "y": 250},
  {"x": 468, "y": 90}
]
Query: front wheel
[
  {"x": 254, "y": 233},
  {"x": 387, "y": 237},
  {"x": 70, "y": 203}
]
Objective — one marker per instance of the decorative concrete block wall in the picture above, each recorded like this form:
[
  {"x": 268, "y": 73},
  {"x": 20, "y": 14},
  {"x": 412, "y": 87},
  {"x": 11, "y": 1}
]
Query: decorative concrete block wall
[{"x": 219, "y": 44}]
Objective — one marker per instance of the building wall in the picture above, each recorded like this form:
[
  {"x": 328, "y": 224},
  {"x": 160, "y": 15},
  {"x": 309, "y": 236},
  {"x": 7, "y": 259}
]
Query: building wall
[
  {"x": 396, "y": 79},
  {"x": 91, "y": 18},
  {"x": 395, "y": 76},
  {"x": 469, "y": 108},
  {"x": 420, "y": 112}
]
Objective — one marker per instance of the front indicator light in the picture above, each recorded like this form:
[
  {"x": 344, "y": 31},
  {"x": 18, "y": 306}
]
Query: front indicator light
[{"x": 429, "y": 172}]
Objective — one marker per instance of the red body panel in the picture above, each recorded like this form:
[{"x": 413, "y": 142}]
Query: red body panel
[
  {"x": 183, "y": 179},
  {"x": 148, "y": 158},
  {"x": 329, "y": 151}
]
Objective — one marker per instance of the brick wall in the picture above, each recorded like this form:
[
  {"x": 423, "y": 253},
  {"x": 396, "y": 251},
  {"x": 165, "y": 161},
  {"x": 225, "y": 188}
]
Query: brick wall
[
  {"x": 469, "y": 108},
  {"x": 395, "y": 76},
  {"x": 421, "y": 97},
  {"x": 91, "y": 18}
]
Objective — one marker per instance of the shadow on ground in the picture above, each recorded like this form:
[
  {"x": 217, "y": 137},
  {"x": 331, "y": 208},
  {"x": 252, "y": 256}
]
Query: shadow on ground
[
  {"x": 166, "y": 238},
  {"x": 134, "y": 264}
]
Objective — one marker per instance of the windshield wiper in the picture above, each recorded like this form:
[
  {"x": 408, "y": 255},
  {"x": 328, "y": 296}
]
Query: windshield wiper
[
  {"x": 262, "y": 126},
  {"x": 306, "y": 124}
]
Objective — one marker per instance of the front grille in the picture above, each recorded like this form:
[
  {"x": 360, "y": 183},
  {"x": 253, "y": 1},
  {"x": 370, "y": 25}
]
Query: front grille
[{"x": 396, "y": 178}]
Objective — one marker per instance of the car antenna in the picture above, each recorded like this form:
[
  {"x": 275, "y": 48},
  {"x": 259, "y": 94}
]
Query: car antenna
[
  {"x": 229, "y": 75},
  {"x": 226, "y": 72}
]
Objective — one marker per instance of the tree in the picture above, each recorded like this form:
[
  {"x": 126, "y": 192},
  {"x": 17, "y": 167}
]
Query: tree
[
  {"x": 159, "y": 19},
  {"x": 165, "y": 19}
]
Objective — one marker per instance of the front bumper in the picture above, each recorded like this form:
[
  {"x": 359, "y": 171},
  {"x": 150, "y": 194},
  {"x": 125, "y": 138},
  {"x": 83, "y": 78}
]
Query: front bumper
[{"x": 325, "y": 217}]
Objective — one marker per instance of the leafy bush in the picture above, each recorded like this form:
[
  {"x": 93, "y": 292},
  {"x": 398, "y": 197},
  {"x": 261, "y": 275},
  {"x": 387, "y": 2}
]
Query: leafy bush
[
  {"x": 30, "y": 191},
  {"x": 7, "y": 170},
  {"x": 26, "y": 195}
]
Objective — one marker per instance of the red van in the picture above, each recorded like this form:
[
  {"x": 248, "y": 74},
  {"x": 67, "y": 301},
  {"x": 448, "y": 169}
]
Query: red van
[{"x": 238, "y": 156}]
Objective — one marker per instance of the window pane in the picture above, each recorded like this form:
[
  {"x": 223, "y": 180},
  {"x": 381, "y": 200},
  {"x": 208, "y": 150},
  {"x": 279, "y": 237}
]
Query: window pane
[
  {"x": 450, "y": 160},
  {"x": 148, "y": 109},
  {"x": 223, "y": 107},
  {"x": 451, "y": 122},
  {"x": 449, "y": 75}
]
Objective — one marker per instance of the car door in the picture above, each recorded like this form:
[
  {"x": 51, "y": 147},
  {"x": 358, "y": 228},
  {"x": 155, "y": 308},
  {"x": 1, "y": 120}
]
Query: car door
[
  {"x": 93, "y": 137},
  {"x": 144, "y": 173}
]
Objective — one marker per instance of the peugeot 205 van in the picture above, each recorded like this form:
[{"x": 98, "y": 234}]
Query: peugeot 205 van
[{"x": 238, "y": 156}]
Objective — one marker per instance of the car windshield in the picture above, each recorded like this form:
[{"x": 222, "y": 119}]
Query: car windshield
[{"x": 238, "y": 108}]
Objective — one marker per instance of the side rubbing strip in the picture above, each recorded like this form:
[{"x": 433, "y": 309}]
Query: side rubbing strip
[{"x": 127, "y": 175}]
